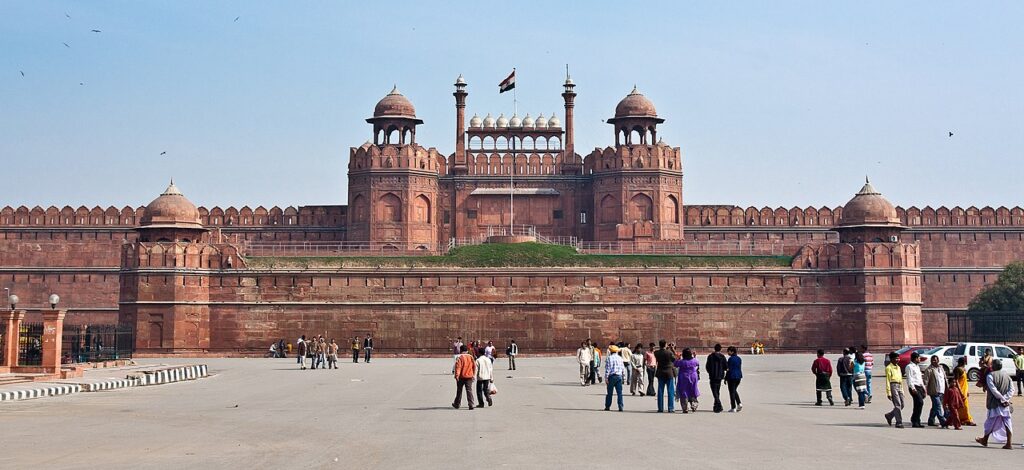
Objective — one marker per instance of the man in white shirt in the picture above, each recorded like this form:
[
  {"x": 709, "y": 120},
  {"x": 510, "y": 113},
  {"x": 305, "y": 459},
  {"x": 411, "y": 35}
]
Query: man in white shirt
[
  {"x": 512, "y": 352},
  {"x": 915, "y": 385},
  {"x": 584, "y": 356},
  {"x": 484, "y": 374}
]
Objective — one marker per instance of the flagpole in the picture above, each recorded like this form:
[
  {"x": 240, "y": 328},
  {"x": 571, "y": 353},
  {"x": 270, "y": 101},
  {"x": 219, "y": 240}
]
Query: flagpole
[{"x": 511, "y": 181}]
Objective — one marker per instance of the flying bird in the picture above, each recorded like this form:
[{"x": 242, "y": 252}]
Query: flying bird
[
  {"x": 236, "y": 19},
  {"x": 81, "y": 83},
  {"x": 67, "y": 15},
  {"x": 163, "y": 153},
  {"x": 951, "y": 133},
  {"x": 97, "y": 31},
  {"x": 66, "y": 45},
  {"x": 22, "y": 73}
]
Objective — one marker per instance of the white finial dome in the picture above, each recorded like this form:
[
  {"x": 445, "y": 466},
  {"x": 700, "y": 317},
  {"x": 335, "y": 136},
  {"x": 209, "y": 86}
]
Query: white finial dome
[
  {"x": 460, "y": 80},
  {"x": 542, "y": 121},
  {"x": 554, "y": 122},
  {"x": 515, "y": 121},
  {"x": 488, "y": 121},
  {"x": 475, "y": 121},
  {"x": 528, "y": 121},
  {"x": 502, "y": 121}
]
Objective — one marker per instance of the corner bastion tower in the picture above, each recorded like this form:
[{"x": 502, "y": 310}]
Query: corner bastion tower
[
  {"x": 393, "y": 181},
  {"x": 638, "y": 183}
]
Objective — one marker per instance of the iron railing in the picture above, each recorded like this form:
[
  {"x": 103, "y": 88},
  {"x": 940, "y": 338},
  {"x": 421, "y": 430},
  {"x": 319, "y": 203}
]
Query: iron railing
[
  {"x": 30, "y": 344},
  {"x": 3, "y": 342},
  {"x": 336, "y": 248},
  {"x": 986, "y": 327},
  {"x": 94, "y": 343},
  {"x": 709, "y": 247}
]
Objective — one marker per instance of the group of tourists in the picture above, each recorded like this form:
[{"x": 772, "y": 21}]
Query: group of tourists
[
  {"x": 677, "y": 373},
  {"x": 474, "y": 371},
  {"x": 322, "y": 353},
  {"x": 948, "y": 394}
]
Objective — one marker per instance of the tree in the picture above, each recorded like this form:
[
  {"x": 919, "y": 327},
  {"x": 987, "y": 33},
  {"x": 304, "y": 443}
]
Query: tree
[{"x": 1006, "y": 295}]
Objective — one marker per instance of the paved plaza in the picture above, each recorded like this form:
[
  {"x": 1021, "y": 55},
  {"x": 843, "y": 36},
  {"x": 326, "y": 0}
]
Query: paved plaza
[{"x": 396, "y": 413}]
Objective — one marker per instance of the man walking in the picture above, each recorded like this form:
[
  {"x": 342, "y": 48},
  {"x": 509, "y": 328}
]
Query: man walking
[
  {"x": 664, "y": 360},
  {"x": 894, "y": 390},
  {"x": 1018, "y": 362},
  {"x": 844, "y": 369},
  {"x": 651, "y": 364},
  {"x": 716, "y": 367},
  {"x": 636, "y": 382},
  {"x": 465, "y": 373},
  {"x": 614, "y": 371},
  {"x": 367, "y": 348},
  {"x": 915, "y": 385},
  {"x": 484, "y": 375},
  {"x": 869, "y": 364},
  {"x": 822, "y": 370},
  {"x": 300, "y": 347},
  {"x": 512, "y": 352},
  {"x": 627, "y": 360},
  {"x": 585, "y": 357},
  {"x": 999, "y": 420},
  {"x": 355, "y": 349},
  {"x": 935, "y": 383}
]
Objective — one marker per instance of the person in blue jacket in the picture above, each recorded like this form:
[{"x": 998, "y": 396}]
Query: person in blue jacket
[{"x": 732, "y": 377}]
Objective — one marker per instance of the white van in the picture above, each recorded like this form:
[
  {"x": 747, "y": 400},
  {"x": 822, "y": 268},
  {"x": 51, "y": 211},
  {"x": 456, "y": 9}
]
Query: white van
[{"x": 974, "y": 353}]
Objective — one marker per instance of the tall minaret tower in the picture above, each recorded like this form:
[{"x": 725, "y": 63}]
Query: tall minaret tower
[
  {"x": 570, "y": 163},
  {"x": 459, "y": 166}
]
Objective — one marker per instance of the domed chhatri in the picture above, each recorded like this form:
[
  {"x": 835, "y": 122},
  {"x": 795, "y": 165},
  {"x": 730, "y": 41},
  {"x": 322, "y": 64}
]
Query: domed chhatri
[
  {"x": 635, "y": 104},
  {"x": 171, "y": 209},
  {"x": 394, "y": 104},
  {"x": 869, "y": 217}
]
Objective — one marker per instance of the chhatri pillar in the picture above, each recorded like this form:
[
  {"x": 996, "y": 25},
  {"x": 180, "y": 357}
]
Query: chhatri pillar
[
  {"x": 53, "y": 334},
  {"x": 13, "y": 319}
]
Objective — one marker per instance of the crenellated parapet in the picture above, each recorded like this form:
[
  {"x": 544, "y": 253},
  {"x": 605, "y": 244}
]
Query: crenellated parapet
[
  {"x": 826, "y": 217},
  {"x": 175, "y": 255},
  {"x": 391, "y": 156},
  {"x": 660, "y": 156},
  {"x": 829, "y": 256}
]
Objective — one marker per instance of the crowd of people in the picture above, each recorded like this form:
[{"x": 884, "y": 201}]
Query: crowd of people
[
  {"x": 677, "y": 373},
  {"x": 319, "y": 352},
  {"x": 473, "y": 370},
  {"x": 948, "y": 394}
]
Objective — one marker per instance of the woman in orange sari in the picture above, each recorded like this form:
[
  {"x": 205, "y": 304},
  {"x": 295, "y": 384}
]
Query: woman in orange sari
[{"x": 960, "y": 375}]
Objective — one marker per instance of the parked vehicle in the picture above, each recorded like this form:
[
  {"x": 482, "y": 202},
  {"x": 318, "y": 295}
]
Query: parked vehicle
[
  {"x": 905, "y": 353},
  {"x": 946, "y": 357},
  {"x": 975, "y": 351}
]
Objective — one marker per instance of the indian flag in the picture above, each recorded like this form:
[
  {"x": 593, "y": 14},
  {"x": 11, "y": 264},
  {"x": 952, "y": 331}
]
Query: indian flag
[{"x": 508, "y": 83}]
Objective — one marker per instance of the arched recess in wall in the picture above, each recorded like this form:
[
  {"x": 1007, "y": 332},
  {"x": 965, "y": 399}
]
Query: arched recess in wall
[
  {"x": 360, "y": 209},
  {"x": 670, "y": 210},
  {"x": 421, "y": 209},
  {"x": 641, "y": 208},
  {"x": 391, "y": 208},
  {"x": 609, "y": 209}
]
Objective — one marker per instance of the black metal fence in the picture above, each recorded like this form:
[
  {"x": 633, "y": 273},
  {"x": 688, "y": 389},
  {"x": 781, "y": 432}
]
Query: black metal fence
[
  {"x": 30, "y": 344},
  {"x": 92, "y": 343},
  {"x": 986, "y": 327},
  {"x": 3, "y": 341}
]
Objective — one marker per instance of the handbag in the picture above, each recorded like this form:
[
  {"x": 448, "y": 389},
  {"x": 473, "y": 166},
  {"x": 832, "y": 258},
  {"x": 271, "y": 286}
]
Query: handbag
[{"x": 492, "y": 390}]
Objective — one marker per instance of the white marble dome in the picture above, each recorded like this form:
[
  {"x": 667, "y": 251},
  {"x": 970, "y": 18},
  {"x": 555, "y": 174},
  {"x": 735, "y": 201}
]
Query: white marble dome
[
  {"x": 502, "y": 121},
  {"x": 515, "y": 121},
  {"x": 475, "y": 121},
  {"x": 553, "y": 122},
  {"x": 542, "y": 121},
  {"x": 528, "y": 121},
  {"x": 488, "y": 121}
]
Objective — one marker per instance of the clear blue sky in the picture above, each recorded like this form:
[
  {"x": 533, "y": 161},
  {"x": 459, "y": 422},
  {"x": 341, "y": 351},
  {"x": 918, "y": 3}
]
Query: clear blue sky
[{"x": 773, "y": 103}]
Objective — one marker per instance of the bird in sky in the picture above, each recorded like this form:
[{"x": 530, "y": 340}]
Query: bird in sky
[
  {"x": 97, "y": 31},
  {"x": 66, "y": 45},
  {"x": 81, "y": 83},
  {"x": 236, "y": 19},
  {"x": 67, "y": 15},
  {"x": 163, "y": 153},
  {"x": 22, "y": 73},
  {"x": 951, "y": 133}
]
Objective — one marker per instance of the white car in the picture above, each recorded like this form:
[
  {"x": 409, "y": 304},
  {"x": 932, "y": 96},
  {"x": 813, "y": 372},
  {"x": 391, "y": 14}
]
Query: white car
[
  {"x": 974, "y": 352},
  {"x": 946, "y": 357}
]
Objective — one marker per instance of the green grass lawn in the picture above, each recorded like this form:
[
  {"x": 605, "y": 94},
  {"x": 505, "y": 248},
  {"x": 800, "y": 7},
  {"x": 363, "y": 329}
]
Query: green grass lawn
[{"x": 519, "y": 255}]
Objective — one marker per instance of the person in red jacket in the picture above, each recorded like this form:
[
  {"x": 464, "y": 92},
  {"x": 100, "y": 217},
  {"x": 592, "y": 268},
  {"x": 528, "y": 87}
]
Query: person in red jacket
[
  {"x": 465, "y": 376},
  {"x": 822, "y": 370}
]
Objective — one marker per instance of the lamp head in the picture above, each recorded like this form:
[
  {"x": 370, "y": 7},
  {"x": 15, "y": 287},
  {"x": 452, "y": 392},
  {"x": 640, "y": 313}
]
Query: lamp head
[
  {"x": 54, "y": 300},
  {"x": 13, "y": 300}
]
